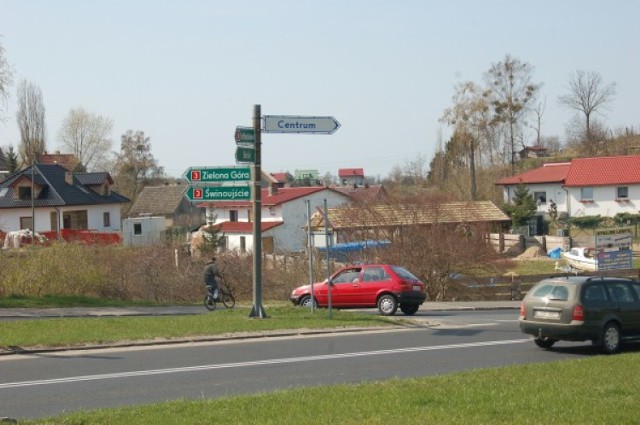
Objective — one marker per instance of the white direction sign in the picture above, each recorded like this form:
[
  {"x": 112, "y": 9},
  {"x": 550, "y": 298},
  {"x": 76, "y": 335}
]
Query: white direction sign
[{"x": 299, "y": 124}]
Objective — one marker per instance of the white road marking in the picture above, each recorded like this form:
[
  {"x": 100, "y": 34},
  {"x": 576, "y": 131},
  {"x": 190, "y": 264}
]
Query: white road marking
[{"x": 255, "y": 363}]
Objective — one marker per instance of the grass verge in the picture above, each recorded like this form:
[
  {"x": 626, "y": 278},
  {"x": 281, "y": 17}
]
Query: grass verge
[
  {"x": 597, "y": 390},
  {"x": 83, "y": 331}
]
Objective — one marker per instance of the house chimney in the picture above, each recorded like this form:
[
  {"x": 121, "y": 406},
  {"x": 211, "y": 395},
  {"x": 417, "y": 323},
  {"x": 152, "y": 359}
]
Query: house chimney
[
  {"x": 68, "y": 177},
  {"x": 273, "y": 189}
]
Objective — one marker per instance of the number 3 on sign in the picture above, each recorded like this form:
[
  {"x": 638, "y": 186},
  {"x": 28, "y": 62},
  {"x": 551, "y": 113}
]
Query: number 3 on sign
[{"x": 197, "y": 193}]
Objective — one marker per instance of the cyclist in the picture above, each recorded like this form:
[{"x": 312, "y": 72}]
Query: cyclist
[{"x": 211, "y": 276}]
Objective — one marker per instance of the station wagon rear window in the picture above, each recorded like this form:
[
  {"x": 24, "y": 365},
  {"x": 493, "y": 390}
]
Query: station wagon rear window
[{"x": 552, "y": 292}]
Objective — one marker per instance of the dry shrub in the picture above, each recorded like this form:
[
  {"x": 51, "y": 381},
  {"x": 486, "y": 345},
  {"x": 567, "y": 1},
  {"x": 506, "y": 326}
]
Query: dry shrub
[
  {"x": 280, "y": 274},
  {"x": 148, "y": 273},
  {"x": 155, "y": 273},
  {"x": 59, "y": 269}
]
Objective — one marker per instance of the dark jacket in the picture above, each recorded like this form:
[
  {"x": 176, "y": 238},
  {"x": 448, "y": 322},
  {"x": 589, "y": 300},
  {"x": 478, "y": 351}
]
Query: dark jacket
[{"x": 211, "y": 274}]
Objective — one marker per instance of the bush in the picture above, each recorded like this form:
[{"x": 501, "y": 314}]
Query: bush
[{"x": 158, "y": 273}]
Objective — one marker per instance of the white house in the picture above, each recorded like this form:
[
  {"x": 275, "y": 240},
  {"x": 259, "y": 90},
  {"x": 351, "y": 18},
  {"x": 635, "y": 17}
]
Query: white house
[
  {"x": 351, "y": 176},
  {"x": 59, "y": 199},
  {"x": 284, "y": 217},
  {"x": 602, "y": 186}
]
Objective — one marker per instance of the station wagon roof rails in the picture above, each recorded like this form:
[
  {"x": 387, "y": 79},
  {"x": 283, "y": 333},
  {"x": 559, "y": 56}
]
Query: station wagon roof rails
[{"x": 590, "y": 278}]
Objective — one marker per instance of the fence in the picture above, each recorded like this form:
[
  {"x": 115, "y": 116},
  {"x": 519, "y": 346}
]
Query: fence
[
  {"x": 515, "y": 287},
  {"x": 516, "y": 244}
]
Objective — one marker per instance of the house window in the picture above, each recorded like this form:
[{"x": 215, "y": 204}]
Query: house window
[
  {"x": 243, "y": 244},
  {"x": 586, "y": 194},
  {"x": 106, "y": 219},
  {"x": 622, "y": 192},
  {"x": 233, "y": 215},
  {"x": 26, "y": 223},
  {"x": 540, "y": 197},
  {"x": 24, "y": 193},
  {"x": 53, "y": 219},
  {"x": 137, "y": 229},
  {"x": 223, "y": 243}
]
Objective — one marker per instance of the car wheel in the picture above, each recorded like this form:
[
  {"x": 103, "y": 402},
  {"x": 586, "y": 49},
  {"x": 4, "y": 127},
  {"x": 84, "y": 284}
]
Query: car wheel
[
  {"x": 409, "y": 309},
  {"x": 544, "y": 342},
  {"x": 610, "y": 341},
  {"x": 306, "y": 302},
  {"x": 387, "y": 305}
]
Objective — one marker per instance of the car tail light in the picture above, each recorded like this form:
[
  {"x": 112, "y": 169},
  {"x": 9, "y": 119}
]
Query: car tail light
[
  {"x": 578, "y": 313},
  {"x": 410, "y": 286},
  {"x": 405, "y": 286},
  {"x": 523, "y": 311}
]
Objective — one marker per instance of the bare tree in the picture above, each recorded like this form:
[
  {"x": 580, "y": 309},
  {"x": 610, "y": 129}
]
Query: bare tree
[
  {"x": 588, "y": 94},
  {"x": 135, "y": 166},
  {"x": 6, "y": 79},
  {"x": 417, "y": 169},
  {"x": 87, "y": 136},
  {"x": 31, "y": 122},
  {"x": 552, "y": 143},
  {"x": 538, "y": 110},
  {"x": 512, "y": 91},
  {"x": 395, "y": 175},
  {"x": 469, "y": 118}
]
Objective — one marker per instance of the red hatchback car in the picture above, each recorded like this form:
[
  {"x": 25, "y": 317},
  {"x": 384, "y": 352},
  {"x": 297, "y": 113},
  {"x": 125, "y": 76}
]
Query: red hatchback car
[{"x": 383, "y": 286}]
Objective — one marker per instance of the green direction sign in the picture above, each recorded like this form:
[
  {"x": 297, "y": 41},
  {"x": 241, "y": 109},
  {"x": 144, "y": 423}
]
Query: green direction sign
[
  {"x": 217, "y": 174},
  {"x": 245, "y": 135},
  {"x": 245, "y": 154},
  {"x": 218, "y": 193}
]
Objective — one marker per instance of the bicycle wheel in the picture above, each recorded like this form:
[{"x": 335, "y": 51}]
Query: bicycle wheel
[
  {"x": 227, "y": 299},
  {"x": 209, "y": 302}
]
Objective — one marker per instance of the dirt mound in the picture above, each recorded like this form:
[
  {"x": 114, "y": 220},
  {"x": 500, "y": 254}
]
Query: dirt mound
[{"x": 533, "y": 253}]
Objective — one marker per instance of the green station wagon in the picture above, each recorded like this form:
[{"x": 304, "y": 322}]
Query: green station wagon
[{"x": 605, "y": 310}]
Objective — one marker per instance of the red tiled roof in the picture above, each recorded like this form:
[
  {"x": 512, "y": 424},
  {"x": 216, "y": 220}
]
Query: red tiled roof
[
  {"x": 604, "y": 171},
  {"x": 346, "y": 172},
  {"x": 554, "y": 172},
  {"x": 284, "y": 194},
  {"x": 66, "y": 160},
  {"x": 281, "y": 177},
  {"x": 244, "y": 226}
]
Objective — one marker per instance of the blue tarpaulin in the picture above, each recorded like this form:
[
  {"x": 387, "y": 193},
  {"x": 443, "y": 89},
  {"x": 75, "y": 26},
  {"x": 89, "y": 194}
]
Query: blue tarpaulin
[{"x": 356, "y": 246}]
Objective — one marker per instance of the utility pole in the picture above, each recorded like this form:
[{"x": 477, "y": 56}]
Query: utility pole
[{"x": 257, "y": 310}]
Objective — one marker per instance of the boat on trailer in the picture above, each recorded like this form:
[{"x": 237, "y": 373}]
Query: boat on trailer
[{"x": 582, "y": 258}]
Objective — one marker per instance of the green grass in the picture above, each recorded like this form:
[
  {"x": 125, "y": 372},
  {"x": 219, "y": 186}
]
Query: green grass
[
  {"x": 81, "y": 331},
  {"x": 596, "y": 390}
]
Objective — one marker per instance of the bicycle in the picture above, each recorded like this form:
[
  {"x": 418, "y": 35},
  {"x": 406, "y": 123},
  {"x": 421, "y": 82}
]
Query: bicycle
[{"x": 224, "y": 296}]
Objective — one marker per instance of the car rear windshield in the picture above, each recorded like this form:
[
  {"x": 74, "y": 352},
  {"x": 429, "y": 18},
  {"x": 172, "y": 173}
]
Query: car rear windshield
[
  {"x": 403, "y": 273},
  {"x": 552, "y": 292}
]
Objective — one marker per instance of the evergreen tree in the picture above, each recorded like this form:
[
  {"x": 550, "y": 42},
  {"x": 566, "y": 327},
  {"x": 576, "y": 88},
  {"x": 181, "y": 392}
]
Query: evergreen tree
[{"x": 523, "y": 207}]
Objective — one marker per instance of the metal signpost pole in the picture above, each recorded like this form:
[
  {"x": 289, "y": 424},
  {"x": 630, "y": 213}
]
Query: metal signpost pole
[
  {"x": 257, "y": 310},
  {"x": 326, "y": 245},
  {"x": 310, "y": 247}
]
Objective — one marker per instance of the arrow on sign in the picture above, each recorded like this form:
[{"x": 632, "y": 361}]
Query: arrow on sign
[{"x": 300, "y": 124}]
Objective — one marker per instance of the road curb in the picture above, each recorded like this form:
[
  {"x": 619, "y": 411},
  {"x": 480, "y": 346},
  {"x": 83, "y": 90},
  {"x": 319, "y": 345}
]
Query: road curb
[{"x": 13, "y": 350}]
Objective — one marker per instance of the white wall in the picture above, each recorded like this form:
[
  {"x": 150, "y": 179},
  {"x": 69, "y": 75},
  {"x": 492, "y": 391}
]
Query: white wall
[
  {"x": 10, "y": 217},
  {"x": 291, "y": 235},
  {"x": 604, "y": 202},
  {"x": 569, "y": 199}
]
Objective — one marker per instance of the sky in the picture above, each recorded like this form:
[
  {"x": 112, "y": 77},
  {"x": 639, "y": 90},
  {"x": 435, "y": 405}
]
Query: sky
[{"x": 188, "y": 72}]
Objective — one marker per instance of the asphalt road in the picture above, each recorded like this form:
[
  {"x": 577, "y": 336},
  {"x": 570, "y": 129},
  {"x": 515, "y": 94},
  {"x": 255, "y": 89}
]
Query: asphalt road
[{"x": 37, "y": 385}]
